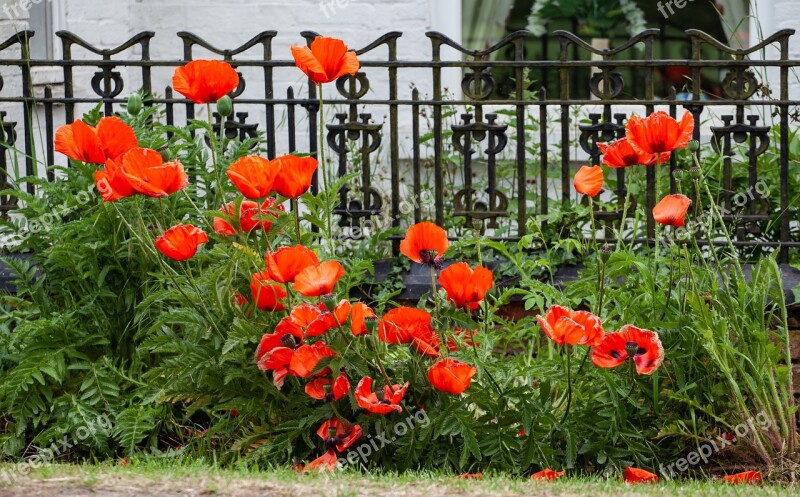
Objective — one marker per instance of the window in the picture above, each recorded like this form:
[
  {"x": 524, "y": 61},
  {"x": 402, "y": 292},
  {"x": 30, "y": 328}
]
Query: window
[
  {"x": 46, "y": 17},
  {"x": 484, "y": 22}
]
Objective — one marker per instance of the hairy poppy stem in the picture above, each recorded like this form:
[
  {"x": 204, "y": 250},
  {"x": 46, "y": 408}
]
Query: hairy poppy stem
[
  {"x": 569, "y": 384},
  {"x": 434, "y": 293},
  {"x": 214, "y": 156},
  {"x": 324, "y": 170}
]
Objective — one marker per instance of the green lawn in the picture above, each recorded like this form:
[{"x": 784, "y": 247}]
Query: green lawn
[{"x": 155, "y": 479}]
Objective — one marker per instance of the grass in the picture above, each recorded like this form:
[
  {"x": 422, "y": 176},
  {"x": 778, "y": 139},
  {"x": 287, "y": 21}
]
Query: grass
[{"x": 156, "y": 478}]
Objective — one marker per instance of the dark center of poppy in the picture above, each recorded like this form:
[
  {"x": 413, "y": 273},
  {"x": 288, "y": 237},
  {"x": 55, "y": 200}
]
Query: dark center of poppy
[
  {"x": 615, "y": 354},
  {"x": 333, "y": 440},
  {"x": 631, "y": 348},
  {"x": 428, "y": 257},
  {"x": 329, "y": 397},
  {"x": 289, "y": 341}
]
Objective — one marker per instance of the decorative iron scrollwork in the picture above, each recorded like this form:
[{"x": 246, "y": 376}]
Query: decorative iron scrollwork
[
  {"x": 107, "y": 83},
  {"x": 495, "y": 204},
  {"x": 478, "y": 85},
  {"x": 357, "y": 129},
  {"x": 600, "y": 132},
  {"x": 235, "y": 130},
  {"x": 740, "y": 84},
  {"x": 606, "y": 84}
]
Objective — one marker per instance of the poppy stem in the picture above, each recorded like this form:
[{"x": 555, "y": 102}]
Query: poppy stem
[
  {"x": 569, "y": 384},
  {"x": 374, "y": 348},
  {"x": 297, "y": 225},
  {"x": 214, "y": 157},
  {"x": 671, "y": 276},
  {"x": 324, "y": 169},
  {"x": 434, "y": 293}
]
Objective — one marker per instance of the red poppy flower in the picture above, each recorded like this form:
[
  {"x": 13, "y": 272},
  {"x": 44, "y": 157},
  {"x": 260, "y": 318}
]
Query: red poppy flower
[
  {"x": 389, "y": 400},
  {"x": 672, "y": 209},
  {"x": 359, "y": 312},
  {"x": 327, "y": 60},
  {"x": 426, "y": 343},
  {"x": 146, "y": 172},
  {"x": 267, "y": 294},
  {"x": 327, "y": 389},
  {"x": 287, "y": 262},
  {"x": 250, "y": 216},
  {"x": 465, "y": 287},
  {"x": 659, "y": 133},
  {"x": 622, "y": 154},
  {"x": 306, "y": 320},
  {"x": 451, "y": 376},
  {"x": 340, "y": 313},
  {"x": 565, "y": 326},
  {"x": 180, "y": 242},
  {"x": 589, "y": 180},
  {"x": 643, "y": 345},
  {"x": 109, "y": 141},
  {"x": 547, "y": 475},
  {"x": 425, "y": 243},
  {"x": 253, "y": 176},
  {"x": 254, "y": 217},
  {"x": 205, "y": 81},
  {"x": 402, "y": 324},
  {"x": 325, "y": 462},
  {"x": 338, "y": 437},
  {"x": 239, "y": 299},
  {"x": 111, "y": 184},
  {"x": 301, "y": 362},
  {"x": 636, "y": 475},
  {"x": 315, "y": 281},
  {"x": 746, "y": 477},
  {"x": 296, "y": 173}
]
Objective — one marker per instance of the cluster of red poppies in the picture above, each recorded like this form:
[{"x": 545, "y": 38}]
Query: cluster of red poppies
[
  {"x": 649, "y": 141},
  {"x": 567, "y": 327},
  {"x": 296, "y": 347}
]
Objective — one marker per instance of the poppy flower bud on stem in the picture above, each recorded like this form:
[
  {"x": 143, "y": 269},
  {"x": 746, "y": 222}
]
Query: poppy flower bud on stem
[
  {"x": 371, "y": 323},
  {"x": 631, "y": 348},
  {"x": 605, "y": 253},
  {"x": 225, "y": 106},
  {"x": 329, "y": 301},
  {"x": 693, "y": 146},
  {"x": 696, "y": 173},
  {"x": 134, "y": 104}
]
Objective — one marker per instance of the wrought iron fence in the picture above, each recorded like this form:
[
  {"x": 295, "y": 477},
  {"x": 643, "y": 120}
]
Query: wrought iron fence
[{"x": 482, "y": 157}]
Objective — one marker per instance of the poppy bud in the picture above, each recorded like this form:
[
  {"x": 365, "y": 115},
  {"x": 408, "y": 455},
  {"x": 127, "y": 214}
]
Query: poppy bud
[
  {"x": 631, "y": 348},
  {"x": 225, "y": 106},
  {"x": 134, "y": 104},
  {"x": 605, "y": 253},
  {"x": 693, "y": 146},
  {"x": 682, "y": 235},
  {"x": 696, "y": 172},
  {"x": 679, "y": 174},
  {"x": 329, "y": 301},
  {"x": 371, "y": 323}
]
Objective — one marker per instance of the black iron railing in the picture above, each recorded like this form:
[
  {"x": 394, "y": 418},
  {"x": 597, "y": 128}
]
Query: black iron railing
[{"x": 477, "y": 156}]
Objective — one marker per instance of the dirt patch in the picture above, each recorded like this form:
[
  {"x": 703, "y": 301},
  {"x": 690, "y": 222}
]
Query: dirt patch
[{"x": 115, "y": 486}]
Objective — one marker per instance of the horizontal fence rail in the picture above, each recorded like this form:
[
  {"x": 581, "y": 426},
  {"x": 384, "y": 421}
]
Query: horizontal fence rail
[{"x": 474, "y": 153}]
